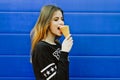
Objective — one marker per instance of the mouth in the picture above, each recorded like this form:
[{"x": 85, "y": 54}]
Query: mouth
[{"x": 58, "y": 28}]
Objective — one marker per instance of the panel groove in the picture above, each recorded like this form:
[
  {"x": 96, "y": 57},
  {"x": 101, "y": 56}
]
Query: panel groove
[
  {"x": 94, "y": 56},
  {"x": 98, "y": 34}
]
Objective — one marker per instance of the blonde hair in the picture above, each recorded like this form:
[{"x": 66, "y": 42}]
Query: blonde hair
[{"x": 40, "y": 29}]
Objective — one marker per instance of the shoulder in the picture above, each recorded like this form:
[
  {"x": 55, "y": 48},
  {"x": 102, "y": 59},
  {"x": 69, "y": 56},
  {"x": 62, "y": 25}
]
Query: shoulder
[
  {"x": 40, "y": 46},
  {"x": 41, "y": 49}
]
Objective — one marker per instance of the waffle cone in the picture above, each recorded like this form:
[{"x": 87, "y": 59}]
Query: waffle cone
[{"x": 65, "y": 30}]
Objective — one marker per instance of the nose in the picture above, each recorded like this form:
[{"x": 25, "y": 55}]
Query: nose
[{"x": 61, "y": 22}]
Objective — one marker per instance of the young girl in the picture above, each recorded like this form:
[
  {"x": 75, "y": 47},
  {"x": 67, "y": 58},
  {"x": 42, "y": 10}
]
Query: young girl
[{"x": 49, "y": 57}]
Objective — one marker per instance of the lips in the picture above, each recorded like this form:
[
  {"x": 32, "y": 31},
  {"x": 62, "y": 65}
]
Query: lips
[{"x": 58, "y": 28}]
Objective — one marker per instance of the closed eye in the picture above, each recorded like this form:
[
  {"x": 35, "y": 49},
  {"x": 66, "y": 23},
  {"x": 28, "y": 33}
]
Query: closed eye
[{"x": 56, "y": 19}]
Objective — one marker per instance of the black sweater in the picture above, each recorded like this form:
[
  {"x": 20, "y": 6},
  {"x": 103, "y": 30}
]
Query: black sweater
[{"x": 49, "y": 63}]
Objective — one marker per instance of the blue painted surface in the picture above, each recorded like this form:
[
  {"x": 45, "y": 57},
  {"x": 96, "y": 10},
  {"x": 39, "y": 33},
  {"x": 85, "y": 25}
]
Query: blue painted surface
[
  {"x": 17, "y": 22},
  {"x": 80, "y": 23},
  {"x": 14, "y": 44},
  {"x": 96, "y": 45},
  {"x": 95, "y": 67},
  {"x": 66, "y": 5},
  {"x": 94, "y": 25}
]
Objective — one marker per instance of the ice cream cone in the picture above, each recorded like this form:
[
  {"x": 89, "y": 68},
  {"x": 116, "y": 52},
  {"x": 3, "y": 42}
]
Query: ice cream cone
[{"x": 65, "y": 30}]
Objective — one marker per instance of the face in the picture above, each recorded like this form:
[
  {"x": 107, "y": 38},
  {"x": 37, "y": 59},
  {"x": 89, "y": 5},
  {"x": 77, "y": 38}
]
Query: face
[{"x": 56, "y": 22}]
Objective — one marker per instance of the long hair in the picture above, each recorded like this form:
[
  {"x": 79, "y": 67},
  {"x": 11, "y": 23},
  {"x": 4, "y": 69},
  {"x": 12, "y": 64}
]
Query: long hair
[{"x": 41, "y": 27}]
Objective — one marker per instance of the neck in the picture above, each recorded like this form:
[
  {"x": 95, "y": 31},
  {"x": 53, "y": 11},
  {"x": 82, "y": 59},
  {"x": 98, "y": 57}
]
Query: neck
[{"x": 50, "y": 38}]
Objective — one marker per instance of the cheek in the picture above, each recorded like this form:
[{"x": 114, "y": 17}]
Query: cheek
[
  {"x": 52, "y": 28},
  {"x": 55, "y": 30}
]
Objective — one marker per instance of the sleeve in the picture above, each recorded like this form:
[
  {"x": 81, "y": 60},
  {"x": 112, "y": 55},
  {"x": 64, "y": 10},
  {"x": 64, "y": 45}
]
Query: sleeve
[
  {"x": 49, "y": 69},
  {"x": 63, "y": 67}
]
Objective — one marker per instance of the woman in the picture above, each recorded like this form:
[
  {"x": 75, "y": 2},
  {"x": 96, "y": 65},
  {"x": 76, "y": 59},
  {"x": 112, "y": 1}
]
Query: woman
[{"x": 49, "y": 58}]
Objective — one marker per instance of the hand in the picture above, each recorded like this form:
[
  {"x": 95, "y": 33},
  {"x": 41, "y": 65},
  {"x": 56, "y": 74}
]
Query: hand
[{"x": 67, "y": 44}]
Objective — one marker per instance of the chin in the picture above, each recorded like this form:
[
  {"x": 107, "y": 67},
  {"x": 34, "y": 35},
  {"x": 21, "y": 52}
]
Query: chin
[{"x": 59, "y": 35}]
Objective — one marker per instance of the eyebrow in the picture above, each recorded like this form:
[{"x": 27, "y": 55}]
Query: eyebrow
[{"x": 57, "y": 17}]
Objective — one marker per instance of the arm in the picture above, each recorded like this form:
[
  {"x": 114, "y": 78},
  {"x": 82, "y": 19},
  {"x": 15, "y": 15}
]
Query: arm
[{"x": 63, "y": 67}]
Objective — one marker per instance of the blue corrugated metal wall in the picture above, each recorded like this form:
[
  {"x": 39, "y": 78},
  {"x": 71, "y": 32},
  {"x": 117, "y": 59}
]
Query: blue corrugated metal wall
[{"x": 94, "y": 24}]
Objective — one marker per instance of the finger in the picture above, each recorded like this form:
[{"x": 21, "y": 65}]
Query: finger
[
  {"x": 68, "y": 36},
  {"x": 70, "y": 39},
  {"x": 70, "y": 45},
  {"x": 70, "y": 42}
]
